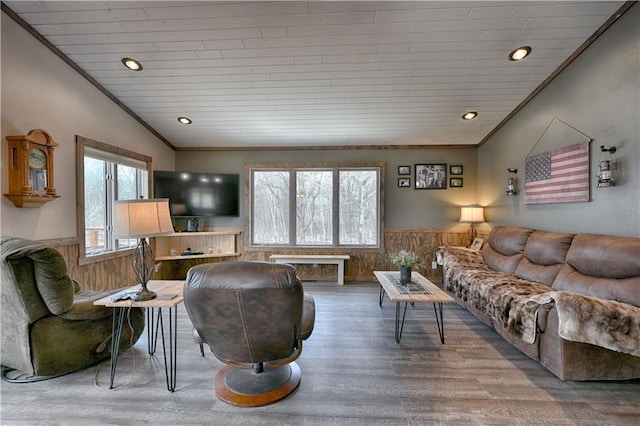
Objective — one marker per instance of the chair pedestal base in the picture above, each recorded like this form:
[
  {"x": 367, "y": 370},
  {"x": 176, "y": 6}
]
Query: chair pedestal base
[{"x": 244, "y": 388}]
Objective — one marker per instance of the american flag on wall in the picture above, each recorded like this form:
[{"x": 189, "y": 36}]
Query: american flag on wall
[{"x": 559, "y": 176}]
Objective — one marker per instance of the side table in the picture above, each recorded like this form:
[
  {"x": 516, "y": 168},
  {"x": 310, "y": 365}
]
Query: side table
[{"x": 169, "y": 296}]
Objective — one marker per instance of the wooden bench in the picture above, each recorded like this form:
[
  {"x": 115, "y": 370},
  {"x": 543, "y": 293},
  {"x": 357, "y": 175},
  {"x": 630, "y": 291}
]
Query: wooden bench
[{"x": 323, "y": 259}]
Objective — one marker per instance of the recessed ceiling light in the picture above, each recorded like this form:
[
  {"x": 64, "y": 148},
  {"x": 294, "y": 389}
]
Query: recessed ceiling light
[
  {"x": 520, "y": 53},
  {"x": 469, "y": 115},
  {"x": 184, "y": 120},
  {"x": 132, "y": 64}
]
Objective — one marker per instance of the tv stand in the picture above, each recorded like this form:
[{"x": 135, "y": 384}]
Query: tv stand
[{"x": 209, "y": 244}]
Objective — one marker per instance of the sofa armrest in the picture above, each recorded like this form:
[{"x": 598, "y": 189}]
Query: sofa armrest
[
  {"x": 600, "y": 322},
  {"x": 461, "y": 255}
]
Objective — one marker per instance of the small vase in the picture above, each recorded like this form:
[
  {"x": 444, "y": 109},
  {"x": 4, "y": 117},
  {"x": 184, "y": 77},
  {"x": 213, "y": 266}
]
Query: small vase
[{"x": 405, "y": 275}]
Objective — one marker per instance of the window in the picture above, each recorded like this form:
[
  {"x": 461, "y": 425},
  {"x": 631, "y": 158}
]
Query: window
[
  {"x": 316, "y": 206},
  {"x": 106, "y": 174}
]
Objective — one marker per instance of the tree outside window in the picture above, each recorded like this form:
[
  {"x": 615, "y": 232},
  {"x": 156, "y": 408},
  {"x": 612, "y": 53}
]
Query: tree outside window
[
  {"x": 321, "y": 206},
  {"x": 107, "y": 174}
]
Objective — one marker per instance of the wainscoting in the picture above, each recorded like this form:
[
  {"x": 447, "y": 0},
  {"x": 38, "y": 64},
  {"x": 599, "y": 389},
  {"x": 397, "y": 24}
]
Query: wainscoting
[
  {"x": 100, "y": 276},
  {"x": 117, "y": 271},
  {"x": 363, "y": 262}
]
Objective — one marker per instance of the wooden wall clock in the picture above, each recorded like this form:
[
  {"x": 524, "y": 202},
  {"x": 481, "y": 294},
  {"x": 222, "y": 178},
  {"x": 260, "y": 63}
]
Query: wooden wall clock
[{"x": 30, "y": 165}]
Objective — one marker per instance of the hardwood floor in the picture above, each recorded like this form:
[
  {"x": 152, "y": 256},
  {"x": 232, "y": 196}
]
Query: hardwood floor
[{"x": 353, "y": 373}]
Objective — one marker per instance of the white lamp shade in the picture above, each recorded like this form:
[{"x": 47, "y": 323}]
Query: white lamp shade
[
  {"x": 142, "y": 218},
  {"x": 471, "y": 214}
]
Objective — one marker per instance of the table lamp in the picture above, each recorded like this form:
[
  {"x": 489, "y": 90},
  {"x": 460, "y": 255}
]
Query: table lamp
[
  {"x": 141, "y": 219},
  {"x": 472, "y": 215}
]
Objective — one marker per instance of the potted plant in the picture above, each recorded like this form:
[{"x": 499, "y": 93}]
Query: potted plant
[{"x": 405, "y": 260}]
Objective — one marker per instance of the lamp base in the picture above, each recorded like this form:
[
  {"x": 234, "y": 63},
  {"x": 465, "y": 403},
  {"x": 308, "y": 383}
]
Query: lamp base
[
  {"x": 143, "y": 294},
  {"x": 471, "y": 233}
]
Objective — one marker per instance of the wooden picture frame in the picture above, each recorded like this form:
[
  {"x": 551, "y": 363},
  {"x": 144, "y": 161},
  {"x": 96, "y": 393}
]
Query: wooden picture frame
[
  {"x": 455, "y": 182},
  {"x": 456, "y": 169},
  {"x": 431, "y": 176},
  {"x": 404, "y": 170},
  {"x": 476, "y": 244},
  {"x": 404, "y": 182}
]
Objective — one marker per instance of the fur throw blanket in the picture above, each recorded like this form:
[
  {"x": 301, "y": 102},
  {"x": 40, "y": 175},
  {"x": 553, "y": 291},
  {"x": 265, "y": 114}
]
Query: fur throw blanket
[
  {"x": 514, "y": 304},
  {"x": 601, "y": 322},
  {"x": 503, "y": 297}
]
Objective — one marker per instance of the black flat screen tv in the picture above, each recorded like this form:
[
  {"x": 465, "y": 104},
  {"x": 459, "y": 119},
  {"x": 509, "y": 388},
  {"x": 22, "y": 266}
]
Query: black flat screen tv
[{"x": 194, "y": 194}]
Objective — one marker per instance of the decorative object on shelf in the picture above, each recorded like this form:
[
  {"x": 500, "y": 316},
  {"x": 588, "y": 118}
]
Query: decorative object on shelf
[
  {"x": 193, "y": 224},
  {"x": 30, "y": 164},
  {"x": 455, "y": 182},
  {"x": 477, "y": 244},
  {"x": 141, "y": 219},
  {"x": 455, "y": 170},
  {"x": 406, "y": 260},
  {"x": 512, "y": 182},
  {"x": 472, "y": 215},
  {"x": 606, "y": 167},
  {"x": 431, "y": 176},
  {"x": 404, "y": 182}
]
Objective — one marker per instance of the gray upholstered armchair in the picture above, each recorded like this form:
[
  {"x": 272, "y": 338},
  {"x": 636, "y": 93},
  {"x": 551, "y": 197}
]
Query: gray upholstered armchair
[
  {"x": 254, "y": 317},
  {"x": 49, "y": 327}
]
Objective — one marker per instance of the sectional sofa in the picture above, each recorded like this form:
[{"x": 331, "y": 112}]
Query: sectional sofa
[{"x": 571, "y": 302}]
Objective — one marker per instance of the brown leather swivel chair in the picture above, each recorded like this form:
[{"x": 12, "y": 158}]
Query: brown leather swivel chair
[{"x": 254, "y": 317}]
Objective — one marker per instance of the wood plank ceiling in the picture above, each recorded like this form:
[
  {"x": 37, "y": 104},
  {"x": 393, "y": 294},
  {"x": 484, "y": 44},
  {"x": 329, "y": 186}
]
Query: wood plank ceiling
[{"x": 318, "y": 73}]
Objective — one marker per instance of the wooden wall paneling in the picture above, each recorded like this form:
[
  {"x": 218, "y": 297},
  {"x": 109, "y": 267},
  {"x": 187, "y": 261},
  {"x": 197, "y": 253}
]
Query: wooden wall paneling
[
  {"x": 103, "y": 275},
  {"x": 117, "y": 272},
  {"x": 425, "y": 242}
]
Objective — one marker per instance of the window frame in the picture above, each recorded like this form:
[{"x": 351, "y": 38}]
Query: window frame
[
  {"x": 83, "y": 145},
  {"x": 335, "y": 168}
]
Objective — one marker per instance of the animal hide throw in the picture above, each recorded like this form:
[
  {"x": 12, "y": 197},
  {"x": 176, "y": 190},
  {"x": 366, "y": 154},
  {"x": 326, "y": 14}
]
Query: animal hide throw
[{"x": 601, "y": 322}]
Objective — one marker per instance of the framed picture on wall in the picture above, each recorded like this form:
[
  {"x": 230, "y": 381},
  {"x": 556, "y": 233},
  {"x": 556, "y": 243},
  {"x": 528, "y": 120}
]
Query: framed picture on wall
[
  {"x": 404, "y": 170},
  {"x": 455, "y": 182},
  {"x": 455, "y": 170},
  {"x": 431, "y": 176},
  {"x": 404, "y": 182}
]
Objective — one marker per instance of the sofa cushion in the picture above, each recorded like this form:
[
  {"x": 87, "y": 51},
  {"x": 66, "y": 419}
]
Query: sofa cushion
[
  {"x": 544, "y": 255},
  {"x": 506, "y": 247},
  {"x": 602, "y": 266}
]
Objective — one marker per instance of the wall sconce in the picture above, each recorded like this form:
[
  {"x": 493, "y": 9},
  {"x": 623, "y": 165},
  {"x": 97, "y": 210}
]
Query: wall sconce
[
  {"x": 512, "y": 182},
  {"x": 472, "y": 215},
  {"x": 606, "y": 167}
]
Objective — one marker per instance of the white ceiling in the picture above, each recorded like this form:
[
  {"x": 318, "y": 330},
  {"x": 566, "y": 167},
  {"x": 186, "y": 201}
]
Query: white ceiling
[{"x": 317, "y": 73}]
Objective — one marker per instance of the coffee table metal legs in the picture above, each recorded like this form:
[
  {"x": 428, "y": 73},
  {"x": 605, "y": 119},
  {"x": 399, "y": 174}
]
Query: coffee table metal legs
[
  {"x": 439, "y": 319},
  {"x": 400, "y": 325},
  {"x": 154, "y": 324},
  {"x": 437, "y": 308}
]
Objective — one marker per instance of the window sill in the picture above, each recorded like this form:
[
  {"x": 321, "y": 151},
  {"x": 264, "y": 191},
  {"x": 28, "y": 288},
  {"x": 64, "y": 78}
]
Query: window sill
[{"x": 88, "y": 260}]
